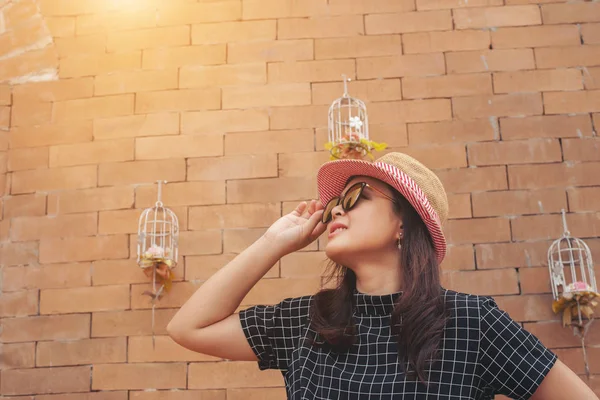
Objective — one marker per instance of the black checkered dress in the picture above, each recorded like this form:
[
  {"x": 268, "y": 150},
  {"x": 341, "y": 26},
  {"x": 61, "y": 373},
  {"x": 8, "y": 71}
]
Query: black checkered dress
[{"x": 483, "y": 353}]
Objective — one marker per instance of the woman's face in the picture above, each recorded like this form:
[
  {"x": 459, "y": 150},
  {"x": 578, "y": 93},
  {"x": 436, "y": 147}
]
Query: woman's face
[{"x": 372, "y": 227}]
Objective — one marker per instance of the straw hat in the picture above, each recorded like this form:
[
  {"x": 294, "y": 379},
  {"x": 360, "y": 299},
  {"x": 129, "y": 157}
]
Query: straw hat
[{"x": 417, "y": 183}]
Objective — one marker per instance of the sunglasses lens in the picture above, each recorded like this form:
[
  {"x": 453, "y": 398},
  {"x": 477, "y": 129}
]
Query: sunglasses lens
[
  {"x": 351, "y": 197},
  {"x": 328, "y": 208}
]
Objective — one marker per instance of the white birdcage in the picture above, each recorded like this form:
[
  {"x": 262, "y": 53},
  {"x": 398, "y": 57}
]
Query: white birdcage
[
  {"x": 348, "y": 127},
  {"x": 157, "y": 248},
  {"x": 573, "y": 283}
]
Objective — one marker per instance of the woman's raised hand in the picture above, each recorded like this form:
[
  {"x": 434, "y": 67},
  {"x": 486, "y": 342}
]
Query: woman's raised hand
[{"x": 297, "y": 229}]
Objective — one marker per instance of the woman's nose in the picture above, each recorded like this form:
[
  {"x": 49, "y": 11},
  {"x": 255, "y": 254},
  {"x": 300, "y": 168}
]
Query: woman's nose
[{"x": 337, "y": 210}]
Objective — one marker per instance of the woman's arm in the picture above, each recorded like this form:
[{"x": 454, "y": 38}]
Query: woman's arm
[
  {"x": 563, "y": 384},
  {"x": 206, "y": 323}
]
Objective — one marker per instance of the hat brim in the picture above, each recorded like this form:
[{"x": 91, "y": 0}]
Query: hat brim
[{"x": 333, "y": 176}]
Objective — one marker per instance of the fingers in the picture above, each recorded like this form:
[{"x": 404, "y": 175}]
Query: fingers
[
  {"x": 314, "y": 226},
  {"x": 300, "y": 208}
]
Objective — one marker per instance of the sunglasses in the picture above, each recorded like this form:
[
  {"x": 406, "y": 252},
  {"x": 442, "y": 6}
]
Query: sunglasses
[{"x": 349, "y": 200}]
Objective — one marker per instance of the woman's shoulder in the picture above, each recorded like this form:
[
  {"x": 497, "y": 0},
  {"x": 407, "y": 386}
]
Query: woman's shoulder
[{"x": 467, "y": 304}]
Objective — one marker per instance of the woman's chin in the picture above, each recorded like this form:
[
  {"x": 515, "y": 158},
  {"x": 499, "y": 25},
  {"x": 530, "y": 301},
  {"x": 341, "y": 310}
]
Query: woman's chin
[{"x": 336, "y": 250}]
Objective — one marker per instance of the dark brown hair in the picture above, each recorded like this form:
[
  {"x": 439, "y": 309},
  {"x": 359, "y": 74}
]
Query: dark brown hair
[{"x": 420, "y": 307}]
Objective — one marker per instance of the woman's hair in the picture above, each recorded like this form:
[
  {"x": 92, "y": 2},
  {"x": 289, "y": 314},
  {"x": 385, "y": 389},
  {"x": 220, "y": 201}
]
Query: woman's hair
[{"x": 419, "y": 314}]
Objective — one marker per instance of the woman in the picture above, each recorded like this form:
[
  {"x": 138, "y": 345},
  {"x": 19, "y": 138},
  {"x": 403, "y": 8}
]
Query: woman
[{"x": 388, "y": 330}]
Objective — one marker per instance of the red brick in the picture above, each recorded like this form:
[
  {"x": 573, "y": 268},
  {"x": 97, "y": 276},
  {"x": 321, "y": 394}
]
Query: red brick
[
  {"x": 33, "y": 62},
  {"x": 19, "y": 253},
  {"x": 119, "y": 20},
  {"x": 494, "y": 17},
  {"x": 253, "y": 215},
  {"x": 591, "y": 78},
  {"x": 256, "y": 394},
  {"x": 527, "y": 307},
  {"x": 568, "y": 56},
  {"x": 224, "y": 121},
  {"x": 484, "y": 283},
  {"x": 237, "y": 240},
  {"x": 200, "y": 268},
  {"x": 298, "y": 117},
  {"x": 86, "y": 351},
  {"x": 139, "y": 376},
  {"x": 34, "y": 228},
  {"x": 178, "y": 395},
  {"x": 232, "y": 167},
  {"x": 459, "y": 258},
  {"x": 553, "y": 175},
  {"x": 130, "y": 323},
  {"x": 446, "y": 86},
  {"x": 97, "y": 107},
  {"x": 572, "y": 102},
  {"x": 46, "y": 380},
  {"x": 410, "y": 111},
  {"x": 178, "y": 100},
  {"x": 268, "y": 190},
  {"x": 92, "y": 153},
  {"x": 552, "y": 334},
  {"x": 502, "y": 105},
  {"x": 211, "y": 242},
  {"x": 194, "y": 13},
  {"x": 114, "y": 395},
  {"x": 307, "y": 264},
  {"x": 538, "y": 81},
  {"x": 172, "y": 170},
  {"x": 182, "y": 194},
  {"x": 135, "y": 81},
  {"x": 452, "y": 4},
  {"x": 148, "y": 38},
  {"x": 28, "y": 158},
  {"x": 489, "y": 60},
  {"x": 53, "y": 179},
  {"x": 432, "y": 42},
  {"x": 500, "y": 203},
  {"x": 140, "y": 349},
  {"x": 371, "y": 90},
  {"x": 269, "y": 142},
  {"x": 459, "y": 205},
  {"x": 289, "y": 94},
  {"x": 52, "y": 91},
  {"x": 218, "y": 375},
  {"x": 587, "y": 149},
  {"x": 87, "y": 200},
  {"x": 80, "y": 45},
  {"x": 463, "y": 180},
  {"x": 76, "y": 300},
  {"x": 19, "y": 304},
  {"x": 27, "y": 113},
  {"x": 97, "y": 64},
  {"x": 6, "y": 94},
  {"x": 570, "y": 13},
  {"x": 65, "y": 7},
  {"x": 302, "y": 164},
  {"x": 261, "y": 9},
  {"x": 515, "y": 152},
  {"x": 400, "y": 66},
  {"x": 422, "y": 21},
  {"x": 173, "y": 57},
  {"x": 33, "y": 205},
  {"x": 238, "y": 31},
  {"x": 51, "y": 134},
  {"x": 136, "y": 126},
  {"x": 83, "y": 248},
  {"x": 153, "y": 148},
  {"x": 481, "y": 230},
  {"x": 310, "y": 71},
  {"x": 17, "y": 355},
  {"x": 535, "y": 280},
  {"x": 55, "y": 327},
  {"x": 452, "y": 132},
  {"x": 176, "y": 297},
  {"x": 126, "y": 221},
  {"x": 550, "y": 126},
  {"x": 546, "y": 227},
  {"x": 222, "y": 75},
  {"x": 584, "y": 199},
  {"x": 437, "y": 157},
  {"x": 271, "y": 51},
  {"x": 320, "y": 27},
  {"x": 590, "y": 33},
  {"x": 535, "y": 36}
]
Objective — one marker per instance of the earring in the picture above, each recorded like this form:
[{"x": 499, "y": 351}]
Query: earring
[{"x": 400, "y": 243}]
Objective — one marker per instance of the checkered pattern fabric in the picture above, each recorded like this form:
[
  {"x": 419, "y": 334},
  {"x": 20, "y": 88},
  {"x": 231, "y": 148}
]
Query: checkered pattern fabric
[{"x": 483, "y": 352}]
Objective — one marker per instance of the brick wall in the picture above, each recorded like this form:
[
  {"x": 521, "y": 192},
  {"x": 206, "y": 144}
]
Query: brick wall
[{"x": 227, "y": 100}]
